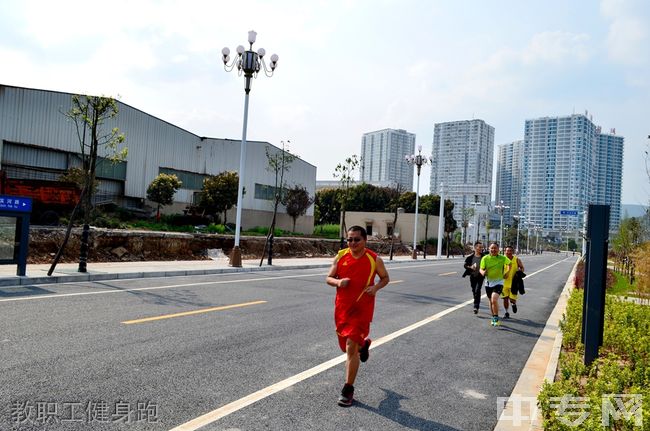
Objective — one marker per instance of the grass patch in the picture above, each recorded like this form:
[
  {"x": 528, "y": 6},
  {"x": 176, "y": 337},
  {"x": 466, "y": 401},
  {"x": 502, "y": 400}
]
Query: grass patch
[
  {"x": 331, "y": 231},
  {"x": 264, "y": 230},
  {"x": 159, "y": 226},
  {"x": 622, "y": 286},
  {"x": 623, "y": 367}
]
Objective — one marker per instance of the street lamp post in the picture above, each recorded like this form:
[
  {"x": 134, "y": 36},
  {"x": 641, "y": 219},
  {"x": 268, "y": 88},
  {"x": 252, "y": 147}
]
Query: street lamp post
[
  {"x": 501, "y": 206},
  {"x": 517, "y": 217},
  {"x": 249, "y": 63},
  {"x": 441, "y": 221},
  {"x": 477, "y": 220},
  {"x": 418, "y": 160}
]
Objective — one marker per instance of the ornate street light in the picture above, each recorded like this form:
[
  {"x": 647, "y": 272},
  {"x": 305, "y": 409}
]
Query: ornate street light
[
  {"x": 500, "y": 207},
  {"x": 417, "y": 160},
  {"x": 248, "y": 63}
]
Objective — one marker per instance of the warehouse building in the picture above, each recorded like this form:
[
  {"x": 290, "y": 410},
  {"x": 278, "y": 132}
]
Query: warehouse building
[{"x": 37, "y": 141}]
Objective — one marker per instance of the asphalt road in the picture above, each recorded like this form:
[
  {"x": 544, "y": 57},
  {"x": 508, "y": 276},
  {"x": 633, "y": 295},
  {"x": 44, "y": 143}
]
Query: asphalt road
[{"x": 118, "y": 355}]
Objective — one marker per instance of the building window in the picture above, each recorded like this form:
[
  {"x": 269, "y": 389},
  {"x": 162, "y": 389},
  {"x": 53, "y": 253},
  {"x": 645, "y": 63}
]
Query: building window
[
  {"x": 264, "y": 192},
  {"x": 190, "y": 180}
]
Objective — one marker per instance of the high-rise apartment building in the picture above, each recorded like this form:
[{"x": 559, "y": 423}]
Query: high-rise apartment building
[
  {"x": 509, "y": 177},
  {"x": 382, "y": 157},
  {"x": 566, "y": 164},
  {"x": 609, "y": 174},
  {"x": 462, "y": 160}
]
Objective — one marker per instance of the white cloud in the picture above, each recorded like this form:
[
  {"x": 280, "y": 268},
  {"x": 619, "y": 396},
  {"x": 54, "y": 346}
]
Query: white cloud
[
  {"x": 627, "y": 38},
  {"x": 557, "y": 48},
  {"x": 346, "y": 66}
]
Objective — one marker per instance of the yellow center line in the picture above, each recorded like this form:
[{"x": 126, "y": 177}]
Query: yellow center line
[
  {"x": 190, "y": 313},
  {"x": 448, "y": 273}
]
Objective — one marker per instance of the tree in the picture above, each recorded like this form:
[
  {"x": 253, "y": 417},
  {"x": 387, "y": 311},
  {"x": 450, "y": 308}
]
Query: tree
[
  {"x": 297, "y": 201},
  {"x": 407, "y": 201},
  {"x": 394, "y": 193},
  {"x": 327, "y": 206},
  {"x": 76, "y": 176},
  {"x": 89, "y": 115},
  {"x": 428, "y": 205},
  {"x": 162, "y": 190},
  {"x": 279, "y": 163},
  {"x": 466, "y": 214},
  {"x": 450, "y": 223},
  {"x": 219, "y": 193},
  {"x": 369, "y": 198},
  {"x": 345, "y": 172},
  {"x": 630, "y": 235}
]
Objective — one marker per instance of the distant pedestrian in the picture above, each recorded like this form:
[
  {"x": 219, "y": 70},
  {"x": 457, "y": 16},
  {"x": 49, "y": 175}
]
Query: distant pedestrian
[
  {"x": 495, "y": 268},
  {"x": 472, "y": 268},
  {"x": 509, "y": 294},
  {"x": 353, "y": 274}
]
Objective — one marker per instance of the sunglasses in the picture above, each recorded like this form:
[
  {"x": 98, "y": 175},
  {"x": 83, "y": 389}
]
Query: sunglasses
[{"x": 357, "y": 239}]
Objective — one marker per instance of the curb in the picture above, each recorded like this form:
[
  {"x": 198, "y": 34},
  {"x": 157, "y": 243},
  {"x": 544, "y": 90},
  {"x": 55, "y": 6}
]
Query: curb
[
  {"x": 518, "y": 413},
  {"x": 29, "y": 281}
]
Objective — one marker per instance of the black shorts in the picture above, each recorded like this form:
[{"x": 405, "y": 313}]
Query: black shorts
[{"x": 489, "y": 290}]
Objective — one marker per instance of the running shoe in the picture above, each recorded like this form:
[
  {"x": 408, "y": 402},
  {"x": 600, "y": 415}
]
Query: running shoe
[
  {"x": 364, "y": 354},
  {"x": 497, "y": 322},
  {"x": 514, "y": 308},
  {"x": 507, "y": 315},
  {"x": 476, "y": 311},
  {"x": 347, "y": 395},
  {"x": 493, "y": 322}
]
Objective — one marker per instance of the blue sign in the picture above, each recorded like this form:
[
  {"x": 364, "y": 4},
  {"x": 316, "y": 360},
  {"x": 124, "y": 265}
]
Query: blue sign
[
  {"x": 569, "y": 212},
  {"x": 15, "y": 203}
]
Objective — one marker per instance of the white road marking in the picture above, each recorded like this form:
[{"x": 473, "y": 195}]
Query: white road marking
[
  {"x": 140, "y": 289},
  {"x": 171, "y": 286},
  {"x": 239, "y": 404},
  {"x": 471, "y": 393}
]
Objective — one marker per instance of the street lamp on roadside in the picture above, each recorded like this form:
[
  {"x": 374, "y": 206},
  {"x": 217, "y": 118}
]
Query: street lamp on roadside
[
  {"x": 517, "y": 217},
  {"x": 478, "y": 220},
  {"x": 418, "y": 160},
  {"x": 248, "y": 63},
  {"x": 501, "y": 206}
]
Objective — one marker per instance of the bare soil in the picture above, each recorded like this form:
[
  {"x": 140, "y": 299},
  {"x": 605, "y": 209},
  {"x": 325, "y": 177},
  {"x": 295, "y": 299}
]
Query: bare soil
[{"x": 115, "y": 245}]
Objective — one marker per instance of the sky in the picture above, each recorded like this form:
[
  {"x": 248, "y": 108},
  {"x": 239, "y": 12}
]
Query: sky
[{"x": 348, "y": 67}]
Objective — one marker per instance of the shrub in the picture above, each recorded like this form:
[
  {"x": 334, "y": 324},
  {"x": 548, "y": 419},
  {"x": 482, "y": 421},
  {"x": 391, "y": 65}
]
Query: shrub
[
  {"x": 579, "y": 280},
  {"x": 642, "y": 268},
  {"x": 215, "y": 228},
  {"x": 622, "y": 368}
]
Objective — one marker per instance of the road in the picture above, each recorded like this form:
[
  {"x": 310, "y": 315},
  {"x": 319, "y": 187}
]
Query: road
[{"x": 153, "y": 354}]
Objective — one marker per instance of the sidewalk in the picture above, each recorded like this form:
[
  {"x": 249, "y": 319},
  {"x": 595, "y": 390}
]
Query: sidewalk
[{"x": 67, "y": 272}]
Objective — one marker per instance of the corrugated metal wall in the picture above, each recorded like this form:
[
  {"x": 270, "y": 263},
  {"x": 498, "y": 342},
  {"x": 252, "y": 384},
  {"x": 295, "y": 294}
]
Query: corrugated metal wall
[{"x": 35, "y": 118}]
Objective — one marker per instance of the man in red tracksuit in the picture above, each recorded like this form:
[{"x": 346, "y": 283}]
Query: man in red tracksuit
[{"x": 353, "y": 274}]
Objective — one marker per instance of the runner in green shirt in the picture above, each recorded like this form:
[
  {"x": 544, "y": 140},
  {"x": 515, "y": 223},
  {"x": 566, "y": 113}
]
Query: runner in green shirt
[{"x": 495, "y": 268}]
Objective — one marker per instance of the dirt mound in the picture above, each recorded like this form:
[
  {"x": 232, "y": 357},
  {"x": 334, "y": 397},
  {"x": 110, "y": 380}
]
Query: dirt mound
[{"x": 114, "y": 245}]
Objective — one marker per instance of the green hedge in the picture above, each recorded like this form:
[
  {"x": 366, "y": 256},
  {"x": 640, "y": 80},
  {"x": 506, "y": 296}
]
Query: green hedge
[{"x": 623, "y": 367}]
